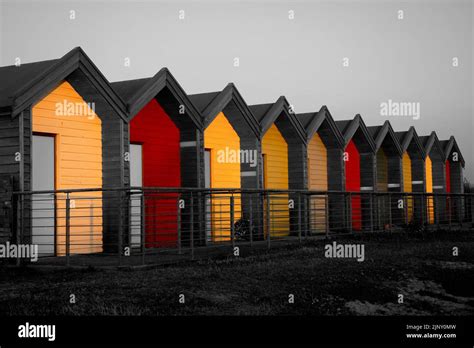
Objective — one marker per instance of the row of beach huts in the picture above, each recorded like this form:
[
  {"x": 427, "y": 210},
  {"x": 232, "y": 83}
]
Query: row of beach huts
[{"x": 64, "y": 126}]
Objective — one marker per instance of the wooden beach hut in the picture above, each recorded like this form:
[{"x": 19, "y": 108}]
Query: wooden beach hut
[
  {"x": 388, "y": 175},
  {"x": 284, "y": 164},
  {"x": 165, "y": 152},
  {"x": 231, "y": 159},
  {"x": 325, "y": 169},
  {"x": 359, "y": 172},
  {"x": 413, "y": 174},
  {"x": 435, "y": 177},
  {"x": 64, "y": 127}
]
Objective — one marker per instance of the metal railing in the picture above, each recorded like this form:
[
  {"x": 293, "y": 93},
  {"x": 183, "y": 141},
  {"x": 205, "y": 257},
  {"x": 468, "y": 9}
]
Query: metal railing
[{"x": 139, "y": 226}]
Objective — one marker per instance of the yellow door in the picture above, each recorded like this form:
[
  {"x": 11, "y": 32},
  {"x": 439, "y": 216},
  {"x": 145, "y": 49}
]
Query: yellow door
[
  {"x": 275, "y": 150},
  {"x": 407, "y": 184},
  {"x": 429, "y": 189},
  {"x": 78, "y": 160},
  {"x": 318, "y": 181},
  {"x": 223, "y": 143}
]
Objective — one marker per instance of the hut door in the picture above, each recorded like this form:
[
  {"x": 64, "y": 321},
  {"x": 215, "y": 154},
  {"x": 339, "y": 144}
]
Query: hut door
[
  {"x": 136, "y": 179},
  {"x": 43, "y": 205},
  {"x": 207, "y": 184}
]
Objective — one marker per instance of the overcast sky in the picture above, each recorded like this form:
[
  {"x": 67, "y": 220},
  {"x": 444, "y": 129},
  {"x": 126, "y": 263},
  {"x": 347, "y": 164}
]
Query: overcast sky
[{"x": 403, "y": 60}]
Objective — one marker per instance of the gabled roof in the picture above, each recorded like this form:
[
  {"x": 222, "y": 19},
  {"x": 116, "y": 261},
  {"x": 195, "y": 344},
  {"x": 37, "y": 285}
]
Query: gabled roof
[
  {"x": 312, "y": 122},
  {"x": 23, "y": 85},
  {"x": 202, "y": 100},
  {"x": 448, "y": 147},
  {"x": 349, "y": 127},
  {"x": 379, "y": 134},
  {"x": 211, "y": 104},
  {"x": 267, "y": 114},
  {"x": 138, "y": 93},
  {"x": 431, "y": 143},
  {"x": 408, "y": 137}
]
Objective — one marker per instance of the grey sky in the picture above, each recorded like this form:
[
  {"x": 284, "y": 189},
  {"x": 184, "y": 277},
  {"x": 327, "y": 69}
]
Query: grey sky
[{"x": 407, "y": 60}]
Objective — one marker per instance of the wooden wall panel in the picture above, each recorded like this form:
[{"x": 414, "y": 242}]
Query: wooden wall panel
[
  {"x": 160, "y": 140},
  {"x": 318, "y": 181},
  {"x": 353, "y": 183},
  {"x": 407, "y": 184},
  {"x": 429, "y": 189},
  {"x": 78, "y": 165},
  {"x": 275, "y": 152},
  {"x": 221, "y": 139}
]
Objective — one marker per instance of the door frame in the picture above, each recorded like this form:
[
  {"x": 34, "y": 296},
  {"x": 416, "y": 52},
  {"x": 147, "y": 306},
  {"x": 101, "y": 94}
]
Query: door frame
[
  {"x": 55, "y": 180},
  {"x": 141, "y": 144}
]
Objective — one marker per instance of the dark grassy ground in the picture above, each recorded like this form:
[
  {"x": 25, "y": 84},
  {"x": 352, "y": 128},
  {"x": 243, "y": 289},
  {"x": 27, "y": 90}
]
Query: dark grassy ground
[{"x": 422, "y": 269}]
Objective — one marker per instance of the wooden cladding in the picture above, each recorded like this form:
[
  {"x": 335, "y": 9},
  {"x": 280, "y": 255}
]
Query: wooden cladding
[
  {"x": 275, "y": 150},
  {"x": 223, "y": 143},
  {"x": 77, "y": 130}
]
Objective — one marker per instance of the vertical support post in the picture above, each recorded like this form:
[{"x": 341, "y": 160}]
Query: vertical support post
[
  {"x": 436, "y": 204},
  {"x": 326, "y": 215},
  {"x": 449, "y": 202},
  {"x": 120, "y": 229},
  {"x": 371, "y": 208},
  {"x": 250, "y": 220},
  {"x": 143, "y": 226},
  {"x": 422, "y": 203},
  {"x": 191, "y": 221},
  {"x": 460, "y": 210},
  {"x": 405, "y": 208},
  {"x": 349, "y": 206},
  {"x": 19, "y": 223},
  {"x": 268, "y": 221},
  {"x": 232, "y": 227},
  {"x": 68, "y": 227},
  {"x": 390, "y": 212},
  {"x": 207, "y": 219},
  {"x": 129, "y": 194},
  {"x": 178, "y": 217},
  {"x": 299, "y": 217},
  {"x": 91, "y": 225},
  {"x": 307, "y": 202}
]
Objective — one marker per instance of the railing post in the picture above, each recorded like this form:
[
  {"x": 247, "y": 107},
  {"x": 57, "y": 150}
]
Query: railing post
[
  {"x": 307, "y": 210},
  {"x": 129, "y": 217},
  {"x": 422, "y": 204},
  {"x": 326, "y": 216},
  {"x": 91, "y": 225},
  {"x": 19, "y": 223},
  {"x": 232, "y": 227},
  {"x": 436, "y": 208},
  {"x": 390, "y": 212},
  {"x": 268, "y": 221},
  {"x": 178, "y": 216},
  {"x": 250, "y": 220},
  {"x": 349, "y": 208},
  {"x": 406, "y": 211},
  {"x": 448, "y": 208},
  {"x": 143, "y": 226},
  {"x": 207, "y": 219},
  {"x": 68, "y": 227},
  {"x": 299, "y": 217},
  {"x": 371, "y": 207},
  {"x": 120, "y": 227},
  {"x": 191, "y": 220}
]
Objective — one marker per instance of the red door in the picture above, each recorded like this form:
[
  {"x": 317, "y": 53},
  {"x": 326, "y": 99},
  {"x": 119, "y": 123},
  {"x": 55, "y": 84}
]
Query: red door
[
  {"x": 352, "y": 161},
  {"x": 160, "y": 139}
]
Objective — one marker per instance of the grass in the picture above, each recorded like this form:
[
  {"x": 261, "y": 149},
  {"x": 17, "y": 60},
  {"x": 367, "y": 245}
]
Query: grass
[{"x": 421, "y": 268}]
